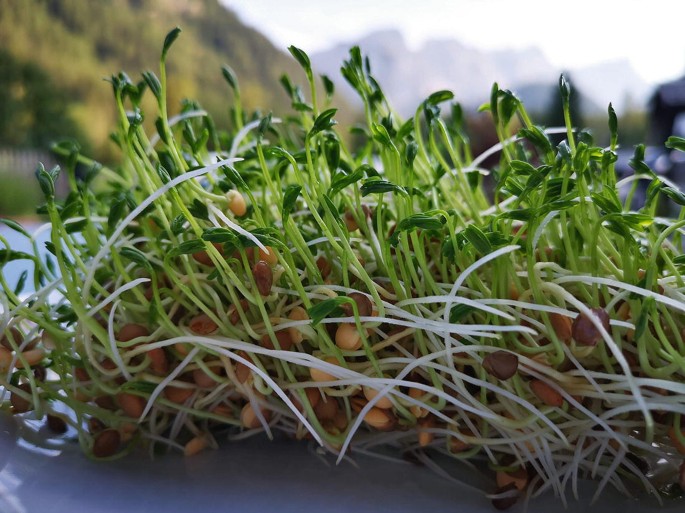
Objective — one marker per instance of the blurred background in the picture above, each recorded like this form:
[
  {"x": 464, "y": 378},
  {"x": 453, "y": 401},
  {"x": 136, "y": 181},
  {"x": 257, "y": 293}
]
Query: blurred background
[{"x": 55, "y": 57}]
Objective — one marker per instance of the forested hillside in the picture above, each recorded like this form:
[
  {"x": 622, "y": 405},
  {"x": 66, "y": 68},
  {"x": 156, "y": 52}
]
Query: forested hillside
[{"x": 56, "y": 54}]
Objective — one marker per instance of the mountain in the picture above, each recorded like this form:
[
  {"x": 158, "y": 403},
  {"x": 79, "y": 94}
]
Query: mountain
[
  {"x": 74, "y": 45},
  {"x": 408, "y": 76}
]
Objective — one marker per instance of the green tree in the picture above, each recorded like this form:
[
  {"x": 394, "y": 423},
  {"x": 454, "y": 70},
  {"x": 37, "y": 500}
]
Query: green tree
[{"x": 33, "y": 110}]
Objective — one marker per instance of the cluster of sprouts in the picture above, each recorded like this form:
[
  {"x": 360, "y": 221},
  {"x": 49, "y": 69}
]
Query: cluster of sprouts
[{"x": 377, "y": 296}]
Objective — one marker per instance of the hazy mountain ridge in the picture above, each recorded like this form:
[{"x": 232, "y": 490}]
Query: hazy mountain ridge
[{"x": 408, "y": 76}]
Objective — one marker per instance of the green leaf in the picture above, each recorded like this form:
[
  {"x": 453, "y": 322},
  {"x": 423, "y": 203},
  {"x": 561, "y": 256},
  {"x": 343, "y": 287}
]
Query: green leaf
[
  {"x": 423, "y": 221},
  {"x": 153, "y": 84},
  {"x": 606, "y": 201},
  {"x": 234, "y": 177},
  {"x": 161, "y": 130},
  {"x": 459, "y": 312},
  {"x": 342, "y": 180},
  {"x": 46, "y": 182},
  {"x": 564, "y": 89},
  {"x": 439, "y": 97},
  {"x": 638, "y": 161},
  {"x": 15, "y": 226},
  {"x": 76, "y": 227},
  {"x": 380, "y": 186},
  {"x": 617, "y": 226},
  {"x": 21, "y": 283},
  {"x": 643, "y": 319},
  {"x": 522, "y": 214},
  {"x": 521, "y": 167},
  {"x": 188, "y": 247},
  {"x": 410, "y": 153},
  {"x": 508, "y": 104},
  {"x": 537, "y": 137},
  {"x": 230, "y": 78},
  {"x": 137, "y": 256},
  {"x": 144, "y": 387},
  {"x": 380, "y": 134},
  {"x": 66, "y": 314},
  {"x": 219, "y": 235},
  {"x": 323, "y": 122},
  {"x": 292, "y": 192},
  {"x": 116, "y": 212},
  {"x": 613, "y": 125},
  {"x": 494, "y": 92},
  {"x": 326, "y": 308},
  {"x": 302, "y": 58},
  {"x": 169, "y": 40},
  {"x": 199, "y": 209},
  {"x": 332, "y": 152},
  {"x": 479, "y": 240},
  {"x": 332, "y": 208},
  {"x": 328, "y": 85},
  {"x": 637, "y": 221},
  {"x": 177, "y": 224},
  {"x": 676, "y": 143},
  {"x": 674, "y": 194},
  {"x": 264, "y": 125},
  {"x": 679, "y": 260},
  {"x": 7, "y": 255}
]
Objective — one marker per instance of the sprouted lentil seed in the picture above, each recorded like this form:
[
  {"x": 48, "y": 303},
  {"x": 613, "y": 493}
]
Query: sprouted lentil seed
[{"x": 390, "y": 298}]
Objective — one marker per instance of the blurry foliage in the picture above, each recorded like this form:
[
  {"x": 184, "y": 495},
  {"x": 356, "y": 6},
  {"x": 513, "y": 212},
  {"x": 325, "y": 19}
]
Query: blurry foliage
[
  {"x": 19, "y": 196},
  {"x": 33, "y": 111},
  {"x": 76, "y": 44}
]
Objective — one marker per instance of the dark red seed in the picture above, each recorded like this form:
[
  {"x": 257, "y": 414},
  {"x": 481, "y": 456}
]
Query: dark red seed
[
  {"x": 106, "y": 402},
  {"x": 56, "y": 424},
  {"x": 16, "y": 336},
  {"x": 324, "y": 266},
  {"x": 502, "y": 503},
  {"x": 585, "y": 333},
  {"x": 364, "y": 305},
  {"x": 283, "y": 337},
  {"x": 233, "y": 314},
  {"x": 203, "y": 325},
  {"x": 501, "y": 364},
  {"x": 131, "y": 331},
  {"x": 106, "y": 443},
  {"x": 263, "y": 276},
  {"x": 18, "y": 402}
]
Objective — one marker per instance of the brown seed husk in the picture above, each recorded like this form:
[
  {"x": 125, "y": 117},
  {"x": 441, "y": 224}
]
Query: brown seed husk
[
  {"x": 364, "y": 305},
  {"x": 324, "y": 266},
  {"x": 283, "y": 338},
  {"x": 519, "y": 477},
  {"x": 16, "y": 336},
  {"x": 501, "y": 364},
  {"x": 503, "y": 503},
  {"x": 546, "y": 393},
  {"x": 18, "y": 402},
  {"x": 562, "y": 326},
  {"x": 106, "y": 443},
  {"x": 132, "y": 405},
  {"x": 56, "y": 424},
  {"x": 263, "y": 276},
  {"x": 159, "y": 365},
  {"x": 203, "y": 325},
  {"x": 131, "y": 331},
  {"x": 585, "y": 333}
]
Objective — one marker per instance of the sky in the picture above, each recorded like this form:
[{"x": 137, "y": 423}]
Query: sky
[{"x": 571, "y": 34}]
